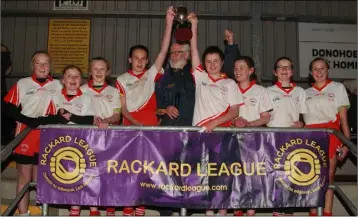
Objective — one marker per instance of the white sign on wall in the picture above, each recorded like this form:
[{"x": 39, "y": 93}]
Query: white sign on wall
[
  {"x": 335, "y": 42},
  {"x": 73, "y": 5}
]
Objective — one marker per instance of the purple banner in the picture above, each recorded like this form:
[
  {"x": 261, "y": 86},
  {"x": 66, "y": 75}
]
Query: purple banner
[{"x": 182, "y": 169}]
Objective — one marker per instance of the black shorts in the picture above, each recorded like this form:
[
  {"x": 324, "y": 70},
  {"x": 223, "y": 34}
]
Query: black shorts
[{"x": 24, "y": 159}]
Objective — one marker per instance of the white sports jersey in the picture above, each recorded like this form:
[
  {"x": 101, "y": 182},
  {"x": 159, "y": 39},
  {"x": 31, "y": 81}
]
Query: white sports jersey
[
  {"x": 323, "y": 104},
  {"x": 33, "y": 96},
  {"x": 256, "y": 101},
  {"x": 80, "y": 104},
  {"x": 138, "y": 89},
  {"x": 105, "y": 100},
  {"x": 287, "y": 105},
  {"x": 213, "y": 97}
]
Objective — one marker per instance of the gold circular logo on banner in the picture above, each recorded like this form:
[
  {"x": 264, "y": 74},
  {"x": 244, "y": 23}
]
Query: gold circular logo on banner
[
  {"x": 67, "y": 175},
  {"x": 299, "y": 164},
  {"x": 297, "y": 176}
]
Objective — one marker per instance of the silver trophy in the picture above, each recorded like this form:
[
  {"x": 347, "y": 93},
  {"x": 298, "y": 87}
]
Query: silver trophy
[
  {"x": 181, "y": 14},
  {"x": 182, "y": 32}
]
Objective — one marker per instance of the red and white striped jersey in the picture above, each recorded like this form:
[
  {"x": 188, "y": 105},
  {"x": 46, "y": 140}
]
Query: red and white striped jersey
[
  {"x": 105, "y": 100},
  {"x": 213, "y": 97}
]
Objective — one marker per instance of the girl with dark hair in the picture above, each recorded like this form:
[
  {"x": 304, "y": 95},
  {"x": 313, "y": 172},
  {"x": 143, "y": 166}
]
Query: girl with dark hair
[
  {"x": 217, "y": 99},
  {"x": 137, "y": 88},
  {"x": 257, "y": 103},
  {"x": 288, "y": 101},
  {"x": 327, "y": 104}
]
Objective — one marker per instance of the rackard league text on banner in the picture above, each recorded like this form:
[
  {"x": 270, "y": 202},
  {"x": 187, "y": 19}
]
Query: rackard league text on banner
[{"x": 111, "y": 167}]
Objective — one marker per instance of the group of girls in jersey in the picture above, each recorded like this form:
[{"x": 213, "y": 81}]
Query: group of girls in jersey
[{"x": 220, "y": 101}]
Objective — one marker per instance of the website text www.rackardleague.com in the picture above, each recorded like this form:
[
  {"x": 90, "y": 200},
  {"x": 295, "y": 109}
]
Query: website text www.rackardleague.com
[{"x": 196, "y": 188}]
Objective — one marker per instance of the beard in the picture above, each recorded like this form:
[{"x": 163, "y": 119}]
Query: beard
[{"x": 178, "y": 65}]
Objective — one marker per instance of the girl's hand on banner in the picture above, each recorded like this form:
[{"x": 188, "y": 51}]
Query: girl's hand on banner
[
  {"x": 297, "y": 124},
  {"x": 210, "y": 126}
]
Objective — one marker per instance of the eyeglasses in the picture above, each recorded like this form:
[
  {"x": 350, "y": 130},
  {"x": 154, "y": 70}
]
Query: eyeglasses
[
  {"x": 284, "y": 68},
  {"x": 176, "y": 52}
]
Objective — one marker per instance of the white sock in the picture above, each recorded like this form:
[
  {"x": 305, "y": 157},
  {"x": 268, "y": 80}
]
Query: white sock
[{"x": 26, "y": 214}]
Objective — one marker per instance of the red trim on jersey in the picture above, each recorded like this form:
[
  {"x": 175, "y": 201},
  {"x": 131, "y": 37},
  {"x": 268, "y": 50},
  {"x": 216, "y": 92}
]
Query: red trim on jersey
[
  {"x": 252, "y": 83},
  {"x": 328, "y": 81},
  {"x": 121, "y": 89},
  {"x": 146, "y": 114},
  {"x": 288, "y": 90},
  {"x": 222, "y": 76},
  {"x": 13, "y": 96},
  {"x": 201, "y": 123},
  {"x": 151, "y": 103},
  {"x": 49, "y": 78},
  {"x": 192, "y": 74},
  {"x": 64, "y": 93},
  {"x": 90, "y": 85},
  {"x": 130, "y": 71},
  {"x": 51, "y": 109},
  {"x": 158, "y": 76},
  {"x": 199, "y": 68}
]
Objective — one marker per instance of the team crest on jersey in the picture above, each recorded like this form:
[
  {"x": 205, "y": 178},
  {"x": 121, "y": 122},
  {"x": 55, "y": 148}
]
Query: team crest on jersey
[
  {"x": 331, "y": 95},
  {"x": 109, "y": 96},
  {"x": 277, "y": 98},
  {"x": 30, "y": 93},
  {"x": 223, "y": 90},
  {"x": 253, "y": 101}
]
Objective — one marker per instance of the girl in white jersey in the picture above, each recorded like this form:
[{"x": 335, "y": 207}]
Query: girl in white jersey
[
  {"x": 288, "y": 101},
  {"x": 34, "y": 96},
  {"x": 75, "y": 106},
  {"x": 106, "y": 101},
  {"x": 107, "y": 105},
  {"x": 217, "y": 99},
  {"x": 257, "y": 103},
  {"x": 327, "y": 105},
  {"x": 137, "y": 88}
]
